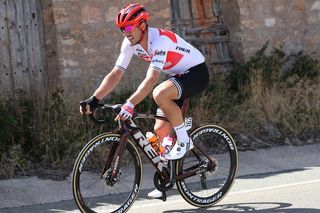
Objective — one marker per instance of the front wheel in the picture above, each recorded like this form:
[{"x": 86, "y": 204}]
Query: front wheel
[
  {"x": 93, "y": 189},
  {"x": 214, "y": 162}
]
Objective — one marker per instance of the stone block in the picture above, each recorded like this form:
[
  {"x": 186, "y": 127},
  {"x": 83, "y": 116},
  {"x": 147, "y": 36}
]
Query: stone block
[
  {"x": 68, "y": 41},
  {"x": 111, "y": 14},
  {"x": 250, "y": 24},
  {"x": 69, "y": 63},
  {"x": 315, "y": 5},
  {"x": 299, "y": 5},
  {"x": 91, "y": 14},
  {"x": 60, "y": 15},
  {"x": 270, "y": 22}
]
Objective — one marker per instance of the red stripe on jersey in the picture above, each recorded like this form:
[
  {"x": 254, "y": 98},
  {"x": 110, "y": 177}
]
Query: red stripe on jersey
[
  {"x": 172, "y": 60},
  {"x": 169, "y": 34}
]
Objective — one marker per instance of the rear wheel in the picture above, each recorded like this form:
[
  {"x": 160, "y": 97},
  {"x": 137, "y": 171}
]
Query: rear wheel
[
  {"x": 215, "y": 160},
  {"x": 97, "y": 192}
]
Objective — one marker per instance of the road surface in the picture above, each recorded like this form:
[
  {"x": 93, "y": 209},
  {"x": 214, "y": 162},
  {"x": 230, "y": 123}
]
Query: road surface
[{"x": 283, "y": 179}]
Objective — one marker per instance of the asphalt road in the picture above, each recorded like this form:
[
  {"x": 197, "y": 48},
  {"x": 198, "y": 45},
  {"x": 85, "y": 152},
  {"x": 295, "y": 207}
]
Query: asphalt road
[
  {"x": 286, "y": 191},
  {"x": 284, "y": 179}
]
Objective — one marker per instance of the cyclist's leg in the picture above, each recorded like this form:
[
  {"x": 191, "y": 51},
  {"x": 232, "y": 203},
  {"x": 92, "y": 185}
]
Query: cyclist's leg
[
  {"x": 164, "y": 95},
  {"x": 193, "y": 82},
  {"x": 162, "y": 129}
]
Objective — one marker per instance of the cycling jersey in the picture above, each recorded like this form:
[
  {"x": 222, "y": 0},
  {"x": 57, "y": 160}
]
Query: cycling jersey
[{"x": 166, "y": 52}]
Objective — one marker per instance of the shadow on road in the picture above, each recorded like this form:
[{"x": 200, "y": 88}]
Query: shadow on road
[
  {"x": 268, "y": 174},
  {"x": 260, "y": 207}
]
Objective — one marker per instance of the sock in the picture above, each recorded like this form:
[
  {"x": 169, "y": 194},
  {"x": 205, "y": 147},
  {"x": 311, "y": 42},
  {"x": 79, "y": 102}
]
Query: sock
[{"x": 181, "y": 133}]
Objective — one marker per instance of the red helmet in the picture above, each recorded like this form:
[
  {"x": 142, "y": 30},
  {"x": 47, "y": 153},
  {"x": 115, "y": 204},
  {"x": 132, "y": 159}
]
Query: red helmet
[{"x": 133, "y": 14}]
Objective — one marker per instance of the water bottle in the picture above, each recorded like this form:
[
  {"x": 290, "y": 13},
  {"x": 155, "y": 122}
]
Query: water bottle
[{"x": 153, "y": 139}]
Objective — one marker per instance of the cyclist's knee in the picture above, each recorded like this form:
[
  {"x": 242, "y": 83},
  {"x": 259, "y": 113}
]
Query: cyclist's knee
[
  {"x": 158, "y": 95},
  {"x": 161, "y": 95}
]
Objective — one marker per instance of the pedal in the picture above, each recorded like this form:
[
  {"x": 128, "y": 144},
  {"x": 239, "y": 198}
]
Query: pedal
[{"x": 164, "y": 196}]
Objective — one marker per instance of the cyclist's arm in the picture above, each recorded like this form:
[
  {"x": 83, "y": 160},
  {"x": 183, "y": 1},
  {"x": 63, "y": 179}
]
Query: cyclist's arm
[
  {"x": 146, "y": 86},
  {"x": 109, "y": 82}
]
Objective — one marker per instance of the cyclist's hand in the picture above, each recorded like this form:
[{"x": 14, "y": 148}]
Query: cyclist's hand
[
  {"x": 90, "y": 104},
  {"x": 126, "y": 111}
]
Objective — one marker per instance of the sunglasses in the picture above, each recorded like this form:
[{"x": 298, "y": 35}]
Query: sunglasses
[{"x": 127, "y": 29}]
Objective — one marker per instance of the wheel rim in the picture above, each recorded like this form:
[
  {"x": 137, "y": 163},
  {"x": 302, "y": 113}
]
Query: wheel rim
[
  {"x": 217, "y": 179},
  {"x": 91, "y": 191}
]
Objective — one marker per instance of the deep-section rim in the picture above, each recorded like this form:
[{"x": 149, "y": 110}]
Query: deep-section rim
[{"x": 130, "y": 145}]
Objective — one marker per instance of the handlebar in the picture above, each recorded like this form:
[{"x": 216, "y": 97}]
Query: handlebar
[
  {"x": 116, "y": 108},
  {"x": 102, "y": 107}
]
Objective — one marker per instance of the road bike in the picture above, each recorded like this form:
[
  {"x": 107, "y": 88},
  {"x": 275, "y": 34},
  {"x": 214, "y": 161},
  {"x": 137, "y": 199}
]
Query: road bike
[{"x": 107, "y": 173}]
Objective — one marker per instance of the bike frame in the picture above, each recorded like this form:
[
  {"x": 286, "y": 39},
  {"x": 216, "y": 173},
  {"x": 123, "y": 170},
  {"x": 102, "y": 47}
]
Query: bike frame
[
  {"x": 127, "y": 128},
  {"x": 196, "y": 163}
]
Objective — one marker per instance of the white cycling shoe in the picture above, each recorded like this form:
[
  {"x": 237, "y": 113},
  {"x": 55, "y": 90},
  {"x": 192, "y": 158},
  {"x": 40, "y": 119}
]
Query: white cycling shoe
[
  {"x": 158, "y": 194},
  {"x": 179, "y": 150},
  {"x": 155, "y": 194}
]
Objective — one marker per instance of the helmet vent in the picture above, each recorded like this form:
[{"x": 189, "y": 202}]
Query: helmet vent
[
  {"x": 124, "y": 16},
  {"x": 137, "y": 13}
]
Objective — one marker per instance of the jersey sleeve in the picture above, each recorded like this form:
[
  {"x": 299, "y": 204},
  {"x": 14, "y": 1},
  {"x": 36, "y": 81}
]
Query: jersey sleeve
[{"x": 125, "y": 55}]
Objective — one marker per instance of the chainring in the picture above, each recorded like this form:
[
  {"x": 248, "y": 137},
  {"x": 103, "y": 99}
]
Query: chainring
[{"x": 160, "y": 183}]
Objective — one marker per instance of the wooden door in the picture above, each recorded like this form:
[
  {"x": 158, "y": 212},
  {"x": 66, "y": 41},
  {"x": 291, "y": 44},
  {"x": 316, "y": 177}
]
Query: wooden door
[
  {"x": 22, "y": 59},
  {"x": 200, "y": 23}
]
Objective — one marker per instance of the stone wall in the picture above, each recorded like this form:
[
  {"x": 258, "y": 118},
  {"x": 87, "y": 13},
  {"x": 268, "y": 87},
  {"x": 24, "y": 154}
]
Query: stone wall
[
  {"x": 83, "y": 43},
  {"x": 295, "y": 24}
]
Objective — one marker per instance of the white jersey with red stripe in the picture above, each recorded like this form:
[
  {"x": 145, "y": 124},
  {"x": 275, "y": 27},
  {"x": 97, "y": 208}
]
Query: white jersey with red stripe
[{"x": 166, "y": 52}]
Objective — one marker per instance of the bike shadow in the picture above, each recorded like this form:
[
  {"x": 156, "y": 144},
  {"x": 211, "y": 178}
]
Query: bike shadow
[{"x": 261, "y": 207}]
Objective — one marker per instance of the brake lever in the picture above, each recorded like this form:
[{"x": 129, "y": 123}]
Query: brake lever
[{"x": 83, "y": 105}]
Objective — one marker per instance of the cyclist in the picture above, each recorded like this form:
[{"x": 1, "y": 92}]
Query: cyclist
[{"x": 166, "y": 52}]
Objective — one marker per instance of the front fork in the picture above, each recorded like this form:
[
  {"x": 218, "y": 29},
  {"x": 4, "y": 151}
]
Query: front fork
[{"x": 111, "y": 174}]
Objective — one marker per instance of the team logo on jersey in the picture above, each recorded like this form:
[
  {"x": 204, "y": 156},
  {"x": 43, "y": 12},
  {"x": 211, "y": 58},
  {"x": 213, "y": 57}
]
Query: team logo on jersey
[
  {"x": 142, "y": 55},
  {"x": 157, "y": 61},
  {"x": 182, "y": 49},
  {"x": 159, "y": 52},
  {"x": 168, "y": 34}
]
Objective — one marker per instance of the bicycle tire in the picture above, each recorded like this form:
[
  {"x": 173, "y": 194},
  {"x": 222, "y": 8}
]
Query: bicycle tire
[
  {"x": 207, "y": 188},
  {"x": 90, "y": 191}
]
